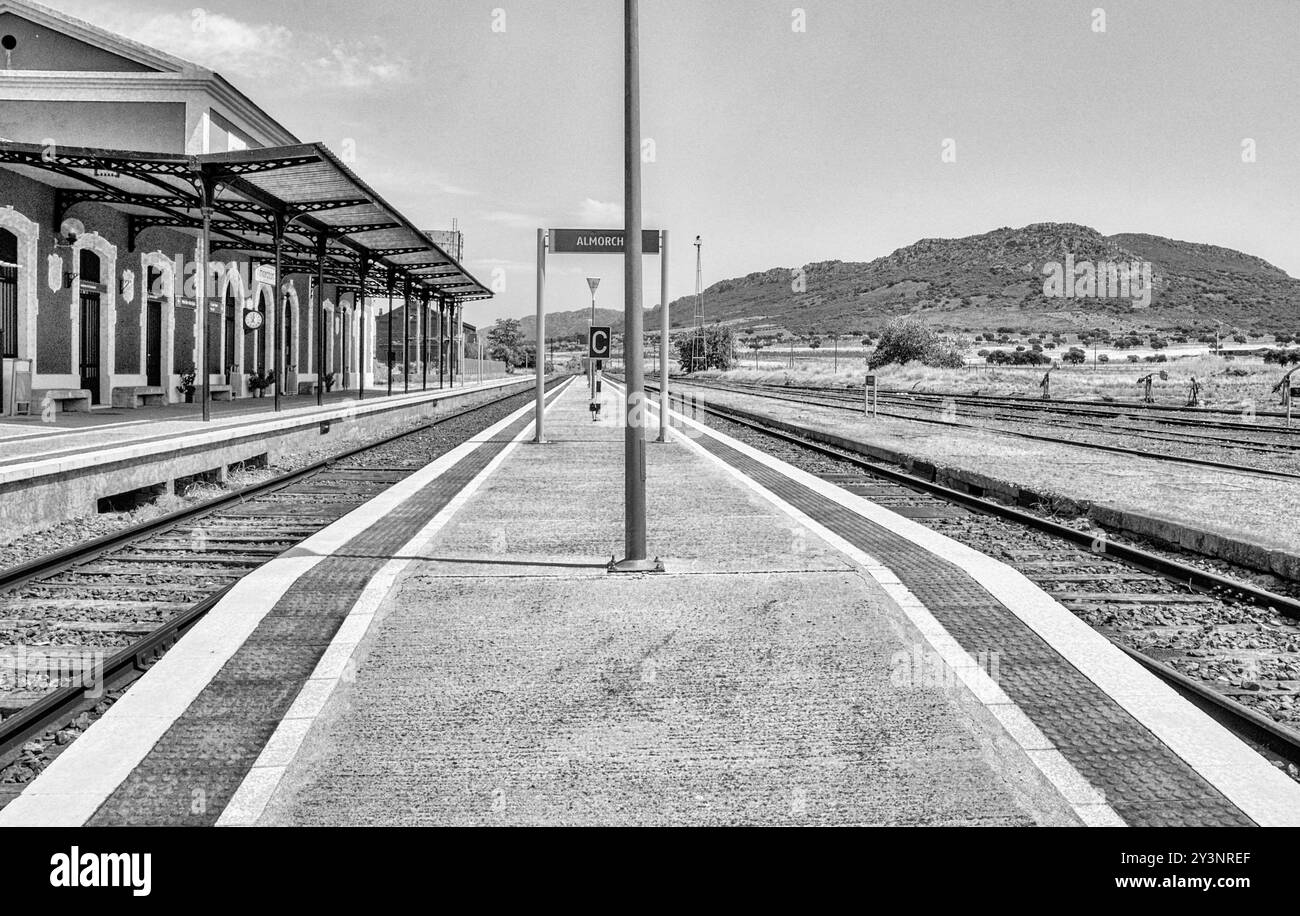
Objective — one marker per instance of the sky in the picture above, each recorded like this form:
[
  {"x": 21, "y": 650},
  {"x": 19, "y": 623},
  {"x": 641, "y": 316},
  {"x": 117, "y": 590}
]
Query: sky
[{"x": 783, "y": 133}]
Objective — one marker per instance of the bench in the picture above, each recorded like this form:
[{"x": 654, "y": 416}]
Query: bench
[
  {"x": 221, "y": 392},
  {"x": 70, "y": 400},
  {"x": 135, "y": 396}
]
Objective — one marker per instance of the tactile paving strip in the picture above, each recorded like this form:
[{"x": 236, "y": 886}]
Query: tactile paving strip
[
  {"x": 1144, "y": 782},
  {"x": 189, "y": 776}
]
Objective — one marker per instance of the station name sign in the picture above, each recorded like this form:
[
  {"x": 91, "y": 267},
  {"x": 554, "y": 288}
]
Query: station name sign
[{"x": 599, "y": 241}]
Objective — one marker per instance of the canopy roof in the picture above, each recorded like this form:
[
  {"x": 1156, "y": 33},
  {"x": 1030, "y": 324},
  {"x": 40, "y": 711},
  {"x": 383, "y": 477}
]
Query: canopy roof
[{"x": 315, "y": 201}]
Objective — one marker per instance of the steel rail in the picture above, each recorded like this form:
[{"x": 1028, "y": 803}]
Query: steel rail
[
  {"x": 66, "y": 702},
  {"x": 1254, "y": 727}
]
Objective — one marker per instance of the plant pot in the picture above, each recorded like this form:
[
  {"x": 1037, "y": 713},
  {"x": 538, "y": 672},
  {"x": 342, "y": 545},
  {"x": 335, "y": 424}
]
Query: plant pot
[{"x": 189, "y": 397}]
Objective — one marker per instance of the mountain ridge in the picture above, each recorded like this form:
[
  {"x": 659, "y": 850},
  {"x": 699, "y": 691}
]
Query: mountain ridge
[{"x": 989, "y": 280}]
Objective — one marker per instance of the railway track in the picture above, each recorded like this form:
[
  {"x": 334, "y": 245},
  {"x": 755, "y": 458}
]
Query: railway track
[
  {"x": 1231, "y": 648},
  {"x": 77, "y": 626},
  {"x": 1267, "y": 457},
  {"x": 1167, "y": 413}
]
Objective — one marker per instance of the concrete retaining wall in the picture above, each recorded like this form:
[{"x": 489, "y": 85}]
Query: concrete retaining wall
[{"x": 42, "y": 500}]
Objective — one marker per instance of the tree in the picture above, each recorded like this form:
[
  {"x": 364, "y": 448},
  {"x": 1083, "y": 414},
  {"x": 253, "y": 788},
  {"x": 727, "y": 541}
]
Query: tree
[
  {"x": 506, "y": 342},
  {"x": 905, "y": 340},
  {"x": 1074, "y": 356},
  {"x": 719, "y": 347}
]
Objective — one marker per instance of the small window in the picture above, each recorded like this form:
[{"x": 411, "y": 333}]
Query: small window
[
  {"x": 9, "y": 42},
  {"x": 8, "y": 247},
  {"x": 89, "y": 267}
]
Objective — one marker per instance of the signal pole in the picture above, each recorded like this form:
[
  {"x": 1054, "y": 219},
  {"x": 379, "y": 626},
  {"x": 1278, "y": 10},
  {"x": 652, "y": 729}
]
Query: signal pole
[
  {"x": 592, "y": 283},
  {"x": 698, "y": 350}
]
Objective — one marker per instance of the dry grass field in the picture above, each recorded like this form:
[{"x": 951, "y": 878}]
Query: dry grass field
[{"x": 1225, "y": 382}]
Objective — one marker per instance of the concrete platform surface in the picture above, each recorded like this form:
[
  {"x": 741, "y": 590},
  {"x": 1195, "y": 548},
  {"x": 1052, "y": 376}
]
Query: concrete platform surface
[
  {"x": 24, "y": 440},
  {"x": 508, "y": 679}
]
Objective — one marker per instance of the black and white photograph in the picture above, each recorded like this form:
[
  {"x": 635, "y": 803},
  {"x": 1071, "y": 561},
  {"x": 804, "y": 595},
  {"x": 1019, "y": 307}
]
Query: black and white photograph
[{"x": 650, "y": 413}]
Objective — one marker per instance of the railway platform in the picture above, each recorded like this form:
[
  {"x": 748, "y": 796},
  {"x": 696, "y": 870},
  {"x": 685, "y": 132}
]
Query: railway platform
[{"x": 455, "y": 652}]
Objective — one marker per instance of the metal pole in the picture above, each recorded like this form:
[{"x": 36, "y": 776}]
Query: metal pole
[
  {"x": 634, "y": 425},
  {"x": 664, "y": 370},
  {"x": 406, "y": 336},
  {"x": 363, "y": 272},
  {"x": 277, "y": 311},
  {"x": 424, "y": 340},
  {"x": 202, "y": 272},
  {"x": 540, "y": 419},
  {"x": 391, "y": 280},
  {"x": 320, "y": 322},
  {"x": 442, "y": 350}
]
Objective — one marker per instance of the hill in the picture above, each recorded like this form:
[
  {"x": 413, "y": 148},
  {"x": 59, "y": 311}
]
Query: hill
[{"x": 982, "y": 282}]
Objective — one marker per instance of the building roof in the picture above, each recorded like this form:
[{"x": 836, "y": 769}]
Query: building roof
[
  {"x": 322, "y": 207},
  {"x": 166, "y": 67}
]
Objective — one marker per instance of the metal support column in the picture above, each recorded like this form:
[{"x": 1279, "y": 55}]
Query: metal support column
[
  {"x": 201, "y": 292},
  {"x": 634, "y": 422},
  {"x": 424, "y": 340},
  {"x": 442, "y": 345},
  {"x": 363, "y": 273},
  {"x": 321, "y": 243},
  {"x": 406, "y": 336},
  {"x": 277, "y": 308},
  {"x": 664, "y": 369},
  {"x": 539, "y": 421},
  {"x": 392, "y": 282}
]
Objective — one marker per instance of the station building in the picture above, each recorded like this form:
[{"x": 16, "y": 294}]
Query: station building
[{"x": 107, "y": 149}]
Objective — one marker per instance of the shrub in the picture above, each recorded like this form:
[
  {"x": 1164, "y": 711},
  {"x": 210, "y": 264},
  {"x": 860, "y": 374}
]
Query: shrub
[{"x": 906, "y": 340}]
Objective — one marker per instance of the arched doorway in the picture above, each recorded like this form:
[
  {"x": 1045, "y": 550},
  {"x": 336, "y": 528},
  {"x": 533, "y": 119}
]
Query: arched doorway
[
  {"x": 153, "y": 327},
  {"x": 262, "y": 333},
  {"x": 345, "y": 346},
  {"x": 88, "y": 342},
  {"x": 287, "y": 341},
  {"x": 8, "y": 294},
  {"x": 230, "y": 313}
]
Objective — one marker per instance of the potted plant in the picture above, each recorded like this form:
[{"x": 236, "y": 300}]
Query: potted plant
[
  {"x": 186, "y": 387},
  {"x": 329, "y": 381},
  {"x": 258, "y": 382}
]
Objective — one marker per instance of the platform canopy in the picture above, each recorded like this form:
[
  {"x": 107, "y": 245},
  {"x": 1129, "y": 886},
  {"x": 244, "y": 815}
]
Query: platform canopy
[{"x": 303, "y": 194}]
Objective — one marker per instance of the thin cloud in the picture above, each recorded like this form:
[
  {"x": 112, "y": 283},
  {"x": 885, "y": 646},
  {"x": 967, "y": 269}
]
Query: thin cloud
[
  {"x": 513, "y": 220},
  {"x": 600, "y": 213},
  {"x": 257, "y": 50}
]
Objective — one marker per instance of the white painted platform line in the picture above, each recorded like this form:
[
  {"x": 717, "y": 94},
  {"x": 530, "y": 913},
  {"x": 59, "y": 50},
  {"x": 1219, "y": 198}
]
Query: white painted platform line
[
  {"x": 71, "y": 789},
  {"x": 1265, "y": 794},
  {"x": 1087, "y": 802},
  {"x": 249, "y": 802}
]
